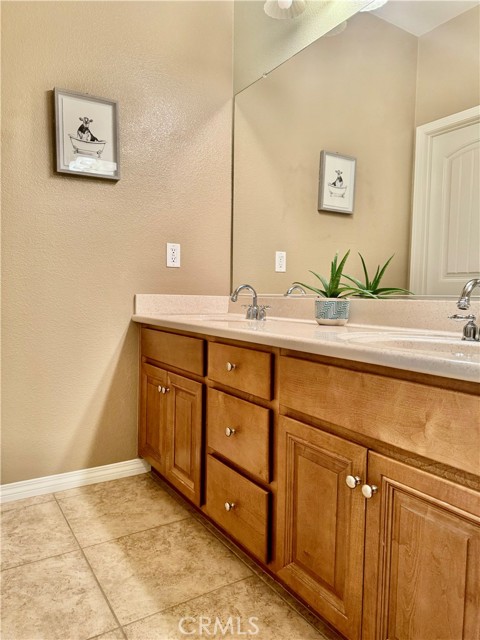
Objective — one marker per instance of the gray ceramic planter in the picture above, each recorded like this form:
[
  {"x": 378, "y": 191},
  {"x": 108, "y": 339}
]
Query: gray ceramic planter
[{"x": 333, "y": 311}]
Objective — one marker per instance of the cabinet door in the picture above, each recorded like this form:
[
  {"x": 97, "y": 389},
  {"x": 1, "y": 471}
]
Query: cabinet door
[
  {"x": 320, "y": 522},
  {"x": 422, "y": 559},
  {"x": 153, "y": 416},
  {"x": 183, "y": 446}
]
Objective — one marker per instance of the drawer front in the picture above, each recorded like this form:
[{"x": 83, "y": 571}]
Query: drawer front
[
  {"x": 247, "y": 520},
  {"x": 243, "y": 369},
  {"x": 240, "y": 431},
  {"x": 439, "y": 424},
  {"x": 182, "y": 352}
]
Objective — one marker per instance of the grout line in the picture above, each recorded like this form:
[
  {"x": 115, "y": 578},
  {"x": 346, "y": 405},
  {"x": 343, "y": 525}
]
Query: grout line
[
  {"x": 178, "y": 604},
  {"x": 94, "y": 576},
  {"x": 126, "y": 535},
  {"x": 55, "y": 555}
]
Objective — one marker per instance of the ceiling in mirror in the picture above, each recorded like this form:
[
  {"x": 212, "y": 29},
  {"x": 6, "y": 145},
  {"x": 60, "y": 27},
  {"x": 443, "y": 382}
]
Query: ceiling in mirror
[
  {"x": 361, "y": 94},
  {"x": 261, "y": 43}
]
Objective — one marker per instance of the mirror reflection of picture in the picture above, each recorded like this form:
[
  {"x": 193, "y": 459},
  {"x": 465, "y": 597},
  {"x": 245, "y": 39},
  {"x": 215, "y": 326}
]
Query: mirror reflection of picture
[{"x": 337, "y": 183}]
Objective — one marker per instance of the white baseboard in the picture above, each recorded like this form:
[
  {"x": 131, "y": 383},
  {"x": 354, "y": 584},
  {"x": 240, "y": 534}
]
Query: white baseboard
[{"x": 71, "y": 480}]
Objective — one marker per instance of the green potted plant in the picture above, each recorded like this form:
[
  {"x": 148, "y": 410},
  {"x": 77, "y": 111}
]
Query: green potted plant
[
  {"x": 331, "y": 307},
  {"x": 371, "y": 287}
]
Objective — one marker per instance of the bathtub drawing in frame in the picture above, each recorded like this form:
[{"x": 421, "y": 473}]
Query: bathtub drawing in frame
[
  {"x": 336, "y": 190},
  {"x": 86, "y": 130}
]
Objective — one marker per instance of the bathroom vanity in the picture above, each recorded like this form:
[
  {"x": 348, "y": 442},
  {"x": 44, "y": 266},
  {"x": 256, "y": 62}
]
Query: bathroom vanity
[{"x": 354, "y": 482}]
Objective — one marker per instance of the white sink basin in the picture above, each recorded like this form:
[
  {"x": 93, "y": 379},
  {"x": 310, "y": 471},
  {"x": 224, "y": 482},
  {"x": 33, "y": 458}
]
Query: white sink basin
[{"x": 416, "y": 342}]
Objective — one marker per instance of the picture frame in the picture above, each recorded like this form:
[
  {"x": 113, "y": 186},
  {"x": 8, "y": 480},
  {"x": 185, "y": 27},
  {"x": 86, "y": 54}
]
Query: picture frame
[
  {"x": 80, "y": 149},
  {"x": 336, "y": 183}
]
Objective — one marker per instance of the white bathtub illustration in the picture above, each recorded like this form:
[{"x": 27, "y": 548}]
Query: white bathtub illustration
[
  {"x": 337, "y": 192},
  {"x": 87, "y": 148}
]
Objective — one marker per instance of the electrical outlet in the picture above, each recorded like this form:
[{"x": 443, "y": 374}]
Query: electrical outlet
[
  {"x": 280, "y": 261},
  {"x": 173, "y": 255}
]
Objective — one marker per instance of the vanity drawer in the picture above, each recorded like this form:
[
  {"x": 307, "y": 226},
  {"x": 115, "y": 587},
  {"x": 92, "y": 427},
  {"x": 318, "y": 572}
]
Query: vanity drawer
[
  {"x": 247, "y": 520},
  {"x": 182, "y": 352},
  {"x": 239, "y": 431},
  {"x": 439, "y": 424},
  {"x": 243, "y": 369}
]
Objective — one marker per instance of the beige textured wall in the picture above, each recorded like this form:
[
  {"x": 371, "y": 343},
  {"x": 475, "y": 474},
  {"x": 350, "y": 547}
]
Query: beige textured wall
[
  {"x": 75, "y": 250},
  {"x": 353, "y": 94},
  {"x": 448, "y": 68}
]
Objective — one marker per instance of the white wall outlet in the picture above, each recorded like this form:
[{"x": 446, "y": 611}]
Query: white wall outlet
[
  {"x": 280, "y": 261},
  {"x": 173, "y": 254}
]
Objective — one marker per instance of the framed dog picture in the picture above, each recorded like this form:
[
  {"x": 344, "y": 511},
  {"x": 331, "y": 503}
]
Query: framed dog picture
[
  {"x": 86, "y": 130},
  {"x": 336, "y": 190}
]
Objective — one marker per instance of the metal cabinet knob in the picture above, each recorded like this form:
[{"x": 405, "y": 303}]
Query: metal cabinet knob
[
  {"x": 368, "y": 490},
  {"x": 352, "y": 481},
  {"x": 230, "y": 366},
  {"x": 163, "y": 389},
  {"x": 230, "y": 432},
  {"x": 229, "y": 506}
]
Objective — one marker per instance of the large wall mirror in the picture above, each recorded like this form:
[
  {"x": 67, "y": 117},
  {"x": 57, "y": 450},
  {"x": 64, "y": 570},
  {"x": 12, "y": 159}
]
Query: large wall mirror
[{"x": 360, "y": 91}]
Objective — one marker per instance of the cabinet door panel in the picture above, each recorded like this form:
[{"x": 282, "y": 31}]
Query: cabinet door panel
[
  {"x": 422, "y": 571},
  {"x": 184, "y": 436},
  {"x": 153, "y": 416},
  {"x": 320, "y": 522}
]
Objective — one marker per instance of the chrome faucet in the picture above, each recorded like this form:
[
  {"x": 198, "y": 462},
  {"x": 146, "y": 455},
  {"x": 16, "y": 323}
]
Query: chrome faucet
[
  {"x": 471, "y": 331},
  {"x": 295, "y": 287},
  {"x": 464, "y": 300},
  {"x": 254, "y": 310}
]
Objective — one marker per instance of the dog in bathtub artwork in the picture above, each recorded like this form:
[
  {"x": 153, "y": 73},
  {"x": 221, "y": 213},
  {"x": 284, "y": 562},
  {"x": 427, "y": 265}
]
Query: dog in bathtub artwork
[
  {"x": 337, "y": 187},
  {"x": 84, "y": 142}
]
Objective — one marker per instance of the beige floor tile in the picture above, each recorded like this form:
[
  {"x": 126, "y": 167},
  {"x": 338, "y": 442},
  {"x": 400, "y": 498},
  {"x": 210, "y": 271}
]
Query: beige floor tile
[
  {"x": 105, "y": 511},
  {"x": 240, "y": 609},
  {"x": 149, "y": 571},
  {"x": 35, "y": 532},
  {"x": 53, "y": 599},
  {"x": 27, "y": 502}
]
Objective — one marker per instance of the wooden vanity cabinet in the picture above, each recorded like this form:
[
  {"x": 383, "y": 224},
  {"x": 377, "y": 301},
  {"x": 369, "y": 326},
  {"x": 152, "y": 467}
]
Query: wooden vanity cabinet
[
  {"x": 422, "y": 560},
  {"x": 321, "y": 522},
  {"x": 170, "y": 426},
  {"x": 294, "y": 469}
]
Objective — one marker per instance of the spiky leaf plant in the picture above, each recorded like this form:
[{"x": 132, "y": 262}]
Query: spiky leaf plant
[
  {"x": 371, "y": 287},
  {"x": 332, "y": 288}
]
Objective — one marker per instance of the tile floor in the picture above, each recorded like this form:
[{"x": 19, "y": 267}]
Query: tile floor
[{"x": 127, "y": 559}]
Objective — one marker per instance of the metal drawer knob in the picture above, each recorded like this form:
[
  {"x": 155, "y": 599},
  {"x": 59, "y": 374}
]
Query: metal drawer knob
[
  {"x": 230, "y": 432},
  {"x": 368, "y": 490},
  {"x": 230, "y": 366},
  {"x": 229, "y": 506},
  {"x": 352, "y": 481}
]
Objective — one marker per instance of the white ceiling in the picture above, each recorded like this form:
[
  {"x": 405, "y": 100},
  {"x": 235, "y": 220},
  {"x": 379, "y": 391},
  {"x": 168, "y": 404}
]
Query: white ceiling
[{"x": 421, "y": 16}]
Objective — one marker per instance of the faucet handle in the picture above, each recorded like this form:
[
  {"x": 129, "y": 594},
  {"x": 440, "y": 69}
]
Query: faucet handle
[
  {"x": 262, "y": 311},
  {"x": 470, "y": 330},
  {"x": 460, "y": 318}
]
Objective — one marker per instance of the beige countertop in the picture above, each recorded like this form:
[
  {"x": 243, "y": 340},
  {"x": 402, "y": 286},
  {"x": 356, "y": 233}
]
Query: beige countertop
[{"x": 401, "y": 344}]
